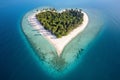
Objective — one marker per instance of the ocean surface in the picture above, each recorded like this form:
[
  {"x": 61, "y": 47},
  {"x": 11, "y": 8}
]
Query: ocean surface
[{"x": 18, "y": 61}]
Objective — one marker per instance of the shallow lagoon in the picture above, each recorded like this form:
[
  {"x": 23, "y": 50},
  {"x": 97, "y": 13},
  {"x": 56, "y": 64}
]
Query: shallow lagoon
[{"x": 56, "y": 65}]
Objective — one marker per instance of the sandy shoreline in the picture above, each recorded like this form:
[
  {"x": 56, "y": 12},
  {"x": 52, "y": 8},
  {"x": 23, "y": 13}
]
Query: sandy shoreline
[{"x": 58, "y": 43}]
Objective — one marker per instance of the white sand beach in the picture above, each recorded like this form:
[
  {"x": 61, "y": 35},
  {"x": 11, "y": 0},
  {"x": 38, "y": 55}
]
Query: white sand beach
[{"x": 58, "y": 43}]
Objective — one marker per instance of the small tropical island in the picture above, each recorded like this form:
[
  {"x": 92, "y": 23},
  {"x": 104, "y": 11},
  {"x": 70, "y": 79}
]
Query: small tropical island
[
  {"x": 58, "y": 27},
  {"x": 59, "y": 37},
  {"x": 60, "y": 23},
  {"x": 50, "y": 31}
]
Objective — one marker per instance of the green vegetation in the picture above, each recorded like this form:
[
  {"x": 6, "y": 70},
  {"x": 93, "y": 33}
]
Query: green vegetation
[{"x": 60, "y": 24}]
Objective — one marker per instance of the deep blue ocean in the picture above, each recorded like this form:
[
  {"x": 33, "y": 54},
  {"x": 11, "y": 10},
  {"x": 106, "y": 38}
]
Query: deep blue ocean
[{"x": 19, "y": 62}]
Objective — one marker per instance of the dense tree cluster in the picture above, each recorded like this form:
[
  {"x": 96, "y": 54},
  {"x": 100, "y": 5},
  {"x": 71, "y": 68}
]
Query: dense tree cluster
[{"x": 60, "y": 23}]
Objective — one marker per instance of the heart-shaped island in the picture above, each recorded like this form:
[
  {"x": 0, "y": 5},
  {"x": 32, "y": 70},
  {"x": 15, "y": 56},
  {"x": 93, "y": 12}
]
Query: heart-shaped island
[
  {"x": 59, "y": 36},
  {"x": 59, "y": 27}
]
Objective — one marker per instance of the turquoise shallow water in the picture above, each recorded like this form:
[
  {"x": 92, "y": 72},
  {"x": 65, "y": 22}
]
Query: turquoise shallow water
[
  {"x": 18, "y": 61},
  {"x": 58, "y": 66}
]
